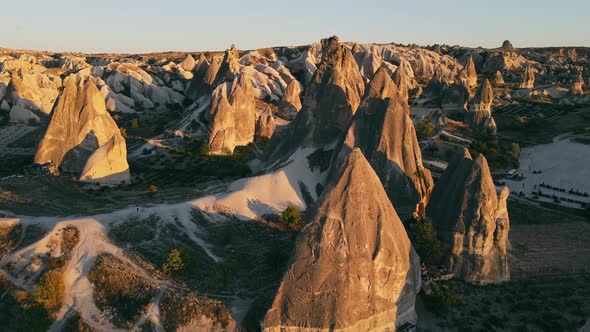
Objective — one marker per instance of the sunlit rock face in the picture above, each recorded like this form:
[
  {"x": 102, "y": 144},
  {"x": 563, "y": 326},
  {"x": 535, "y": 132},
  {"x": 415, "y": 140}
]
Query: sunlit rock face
[
  {"x": 108, "y": 164},
  {"x": 232, "y": 116},
  {"x": 498, "y": 78},
  {"x": 79, "y": 125},
  {"x": 472, "y": 219},
  {"x": 384, "y": 132},
  {"x": 335, "y": 92},
  {"x": 469, "y": 72},
  {"x": 292, "y": 94},
  {"x": 354, "y": 268},
  {"x": 265, "y": 125},
  {"x": 527, "y": 79},
  {"x": 329, "y": 103},
  {"x": 481, "y": 112}
]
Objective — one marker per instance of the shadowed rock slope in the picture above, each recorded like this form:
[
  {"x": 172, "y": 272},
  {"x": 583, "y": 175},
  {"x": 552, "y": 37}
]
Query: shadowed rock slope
[
  {"x": 472, "y": 220},
  {"x": 354, "y": 268},
  {"x": 384, "y": 132}
]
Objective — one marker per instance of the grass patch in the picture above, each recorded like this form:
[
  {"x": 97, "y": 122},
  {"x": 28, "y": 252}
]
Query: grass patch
[
  {"x": 178, "y": 309},
  {"x": 69, "y": 239},
  {"x": 120, "y": 290},
  {"x": 9, "y": 235}
]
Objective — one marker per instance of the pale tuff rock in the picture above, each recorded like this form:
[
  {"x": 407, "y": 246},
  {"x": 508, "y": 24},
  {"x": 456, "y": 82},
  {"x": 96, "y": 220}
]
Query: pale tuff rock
[
  {"x": 305, "y": 64},
  {"x": 498, "y": 78},
  {"x": 35, "y": 92},
  {"x": 265, "y": 125},
  {"x": 436, "y": 85},
  {"x": 292, "y": 94},
  {"x": 222, "y": 137},
  {"x": 22, "y": 115},
  {"x": 232, "y": 116},
  {"x": 230, "y": 66},
  {"x": 108, "y": 164},
  {"x": 331, "y": 99},
  {"x": 368, "y": 62},
  {"x": 528, "y": 78},
  {"x": 354, "y": 268},
  {"x": 472, "y": 219},
  {"x": 401, "y": 80},
  {"x": 484, "y": 97},
  {"x": 188, "y": 63},
  {"x": 481, "y": 113},
  {"x": 381, "y": 86},
  {"x": 469, "y": 72},
  {"x": 79, "y": 125},
  {"x": 384, "y": 132},
  {"x": 334, "y": 93}
]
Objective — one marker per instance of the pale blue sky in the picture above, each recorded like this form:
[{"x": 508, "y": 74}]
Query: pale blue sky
[{"x": 183, "y": 25}]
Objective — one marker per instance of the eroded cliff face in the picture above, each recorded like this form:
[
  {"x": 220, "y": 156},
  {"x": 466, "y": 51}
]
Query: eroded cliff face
[
  {"x": 481, "y": 112},
  {"x": 354, "y": 268},
  {"x": 108, "y": 164},
  {"x": 232, "y": 116},
  {"x": 472, "y": 219},
  {"x": 528, "y": 78},
  {"x": 335, "y": 92},
  {"x": 384, "y": 132},
  {"x": 80, "y": 125}
]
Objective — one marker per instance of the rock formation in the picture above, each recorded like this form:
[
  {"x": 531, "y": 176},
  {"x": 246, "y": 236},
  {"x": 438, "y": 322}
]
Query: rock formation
[
  {"x": 292, "y": 94},
  {"x": 108, "y": 164},
  {"x": 230, "y": 66},
  {"x": 498, "y": 78},
  {"x": 232, "y": 116},
  {"x": 528, "y": 78},
  {"x": 354, "y": 268},
  {"x": 80, "y": 125},
  {"x": 437, "y": 84},
  {"x": 402, "y": 82},
  {"x": 455, "y": 99},
  {"x": 335, "y": 91},
  {"x": 469, "y": 72},
  {"x": 265, "y": 125},
  {"x": 188, "y": 63},
  {"x": 331, "y": 99},
  {"x": 472, "y": 219},
  {"x": 507, "y": 46},
  {"x": 381, "y": 86},
  {"x": 481, "y": 112},
  {"x": 384, "y": 132}
]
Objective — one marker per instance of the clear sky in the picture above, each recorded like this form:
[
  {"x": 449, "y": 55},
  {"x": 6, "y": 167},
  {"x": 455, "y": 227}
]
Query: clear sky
[{"x": 182, "y": 25}]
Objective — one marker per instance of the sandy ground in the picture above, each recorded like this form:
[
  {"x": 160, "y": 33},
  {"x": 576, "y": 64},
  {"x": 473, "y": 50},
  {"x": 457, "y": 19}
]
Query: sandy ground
[{"x": 563, "y": 163}]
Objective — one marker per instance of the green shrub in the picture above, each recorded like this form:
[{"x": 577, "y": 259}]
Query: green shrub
[
  {"x": 424, "y": 129},
  {"x": 442, "y": 299},
  {"x": 291, "y": 216},
  {"x": 426, "y": 242},
  {"x": 174, "y": 263}
]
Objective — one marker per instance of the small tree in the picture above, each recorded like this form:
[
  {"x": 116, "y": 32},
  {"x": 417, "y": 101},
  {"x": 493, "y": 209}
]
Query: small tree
[
  {"x": 174, "y": 263},
  {"x": 291, "y": 216},
  {"x": 123, "y": 132},
  {"x": 424, "y": 129},
  {"x": 134, "y": 123},
  {"x": 426, "y": 242}
]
